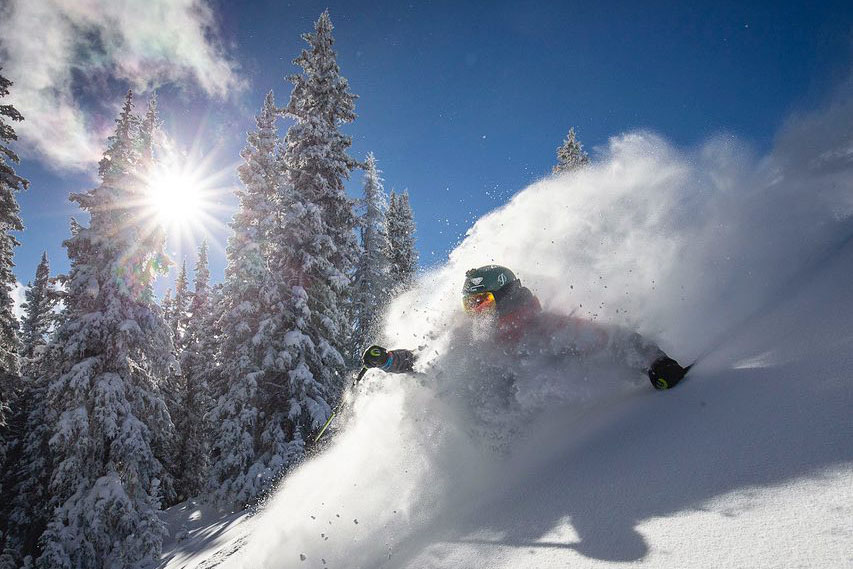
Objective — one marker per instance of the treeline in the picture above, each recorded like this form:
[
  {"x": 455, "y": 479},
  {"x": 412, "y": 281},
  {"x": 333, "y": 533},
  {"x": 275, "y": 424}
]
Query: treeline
[{"x": 114, "y": 406}]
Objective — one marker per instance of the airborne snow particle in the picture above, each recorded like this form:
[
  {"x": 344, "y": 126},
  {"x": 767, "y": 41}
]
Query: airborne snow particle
[
  {"x": 355, "y": 522},
  {"x": 302, "y": 557}
]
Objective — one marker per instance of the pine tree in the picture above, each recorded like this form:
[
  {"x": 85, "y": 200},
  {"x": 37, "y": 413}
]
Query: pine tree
[
  {"x": 166, "y": 306},
  {"x": 176, "y": 316},
  {"x": 28, "y": 499},
  {"x": 149, "y": 133},
  {"x": 29, "y": 466},
  {"x": 240, "y": 469},
  {"x": 320, "y": 222},
  {"x": 570, "y": 155},
  {"x": 38, "y": 309},
  {"x": 198, "y": 362},
  {"x": 179, "y": 307},
  {"x": 402, "y": 255},
  {"x": 215, "y": 379},
  {"x": 108, "y": 359},
  {"x": 9, "y": 221},
  {"x": 371, "y": 282}
]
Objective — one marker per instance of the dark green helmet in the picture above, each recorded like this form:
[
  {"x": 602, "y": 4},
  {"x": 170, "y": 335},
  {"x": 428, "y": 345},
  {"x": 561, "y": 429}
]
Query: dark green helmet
[{"x": 490, "y": 278}]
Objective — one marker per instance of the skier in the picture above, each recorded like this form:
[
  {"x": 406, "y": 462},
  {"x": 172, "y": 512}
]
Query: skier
[{"x": 521, "y": 324}]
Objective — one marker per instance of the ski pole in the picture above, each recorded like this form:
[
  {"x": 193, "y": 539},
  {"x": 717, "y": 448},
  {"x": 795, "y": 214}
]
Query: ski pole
[{"x": 338, "y": 408}]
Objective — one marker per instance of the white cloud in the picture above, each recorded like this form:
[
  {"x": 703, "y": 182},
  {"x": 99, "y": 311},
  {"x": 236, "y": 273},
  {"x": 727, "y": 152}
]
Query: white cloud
[{"x": 61, "y": 54}]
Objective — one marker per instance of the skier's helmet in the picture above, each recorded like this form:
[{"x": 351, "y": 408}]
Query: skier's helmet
[{"x": 483, "y": 287}]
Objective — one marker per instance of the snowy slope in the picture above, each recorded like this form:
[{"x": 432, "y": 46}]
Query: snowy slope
[
  {"x": 202, "y": 537},
  {"x": 743, "y": 262}
]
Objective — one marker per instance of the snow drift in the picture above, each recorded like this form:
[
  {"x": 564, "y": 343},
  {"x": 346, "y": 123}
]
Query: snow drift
[{"x": 741, "y": 261}]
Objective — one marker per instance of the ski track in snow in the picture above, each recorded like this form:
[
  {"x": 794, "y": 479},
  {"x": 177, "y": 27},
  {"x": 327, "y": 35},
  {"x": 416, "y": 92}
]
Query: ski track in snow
[{"x": 746, "y": 262}]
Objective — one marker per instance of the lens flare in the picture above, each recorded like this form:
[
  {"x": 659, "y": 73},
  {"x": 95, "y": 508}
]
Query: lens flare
[{"x": 176, "y": 199}]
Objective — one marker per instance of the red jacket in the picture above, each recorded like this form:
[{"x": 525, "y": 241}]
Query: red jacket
[{"x": 528, "y": 320}]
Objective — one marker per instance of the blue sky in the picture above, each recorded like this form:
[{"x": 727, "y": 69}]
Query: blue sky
[{"x": 463, "y": 103}]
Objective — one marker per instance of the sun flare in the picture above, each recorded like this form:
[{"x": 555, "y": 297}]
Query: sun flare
[
  {"x": 176, "y": 199},
  {"x": 185, "y": 198}
]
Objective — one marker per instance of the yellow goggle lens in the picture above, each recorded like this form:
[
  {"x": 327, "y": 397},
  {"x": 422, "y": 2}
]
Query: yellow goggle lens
[{"x": 478, "y": 302}]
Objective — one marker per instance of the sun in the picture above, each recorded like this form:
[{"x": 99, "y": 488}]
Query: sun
[
  {"x": 177, "y": 199},
  {"x": 184, "y": 198}
]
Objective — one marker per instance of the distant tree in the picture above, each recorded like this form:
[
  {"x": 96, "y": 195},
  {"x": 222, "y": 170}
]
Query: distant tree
[
  {"x": 10, "y": 220},
  {"x": 371, "y": 280},
  {"x": 38, "y": 310},
  {"x": 176, "y": 316},
  {"x": 179, "y": 307},
  {"x": 107, "y": 362},
  {"x": 166, "y": 306},
  {"x": 402, "y": 255},
  {"x": 149, "y": 133},
  {"x": 213, "y": 321},
  {"x": 570, "y": 154},
  {"x": 198, "y": 361}
]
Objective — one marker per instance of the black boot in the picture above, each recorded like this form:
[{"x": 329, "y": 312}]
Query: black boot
[{"x": 665, "y": 373}]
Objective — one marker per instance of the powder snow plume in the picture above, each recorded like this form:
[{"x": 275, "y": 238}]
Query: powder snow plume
[{"x": 685, "y": 247}]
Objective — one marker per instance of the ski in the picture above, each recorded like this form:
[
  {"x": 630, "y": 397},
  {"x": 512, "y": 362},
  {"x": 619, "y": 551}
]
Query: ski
[{"x": 338, "y": 408}]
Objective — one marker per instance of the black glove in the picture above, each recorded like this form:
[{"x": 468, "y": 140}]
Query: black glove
[
  {"x": 375, "y": 356},
  {"x": 665, "y": 372}
]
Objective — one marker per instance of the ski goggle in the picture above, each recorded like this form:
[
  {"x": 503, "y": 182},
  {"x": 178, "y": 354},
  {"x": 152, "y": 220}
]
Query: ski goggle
[{"x": 478, "y": 302}]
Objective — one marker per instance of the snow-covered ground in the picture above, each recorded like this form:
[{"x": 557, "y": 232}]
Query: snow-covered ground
[
  {"x": 745, "y": 263},
  {"x": 202, "y": 537}
]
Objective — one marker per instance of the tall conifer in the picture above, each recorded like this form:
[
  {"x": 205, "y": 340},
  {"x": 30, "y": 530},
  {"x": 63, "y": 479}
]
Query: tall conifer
[
  {"x": 402, "y": 255},
  {"x": 321, "y": 222},
  {"x": 10, "y": 345},
  {"x": 38, "y": 309},
  {"x": 198, "y": 361},
  {"x": 108, "y": 360},
  {"x": 179, "y": 307},
  {"x": 244, "y": 462},
  {"x": 27, "y": 500},
  {"x": 371, "y": 281}
]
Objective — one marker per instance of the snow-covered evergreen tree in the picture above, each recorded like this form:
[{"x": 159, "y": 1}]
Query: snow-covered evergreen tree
[
  {"x": 38, "y": 309},
  {"x": 286, "y": 318},
  {"x": 198, "y": 363},
  {"x": 149, "y": 134},
  {"x": 570, "y": 154},
  {"x": 215, "y": 380},
  {"x": 24, "y": 504},
  {"x": 106, "y": 364},
  {"x": 179, "y": 307},
  {"x": 402, "y": 255},
  {"x": 166, "y": 306},
  {"x": 371, "y": 282},
  {"x": 9, "y": 221},
  {"x": 176, "y": 315},
  {"x": 321, "y": 221},
  {"x": 239, "y": 472}
]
